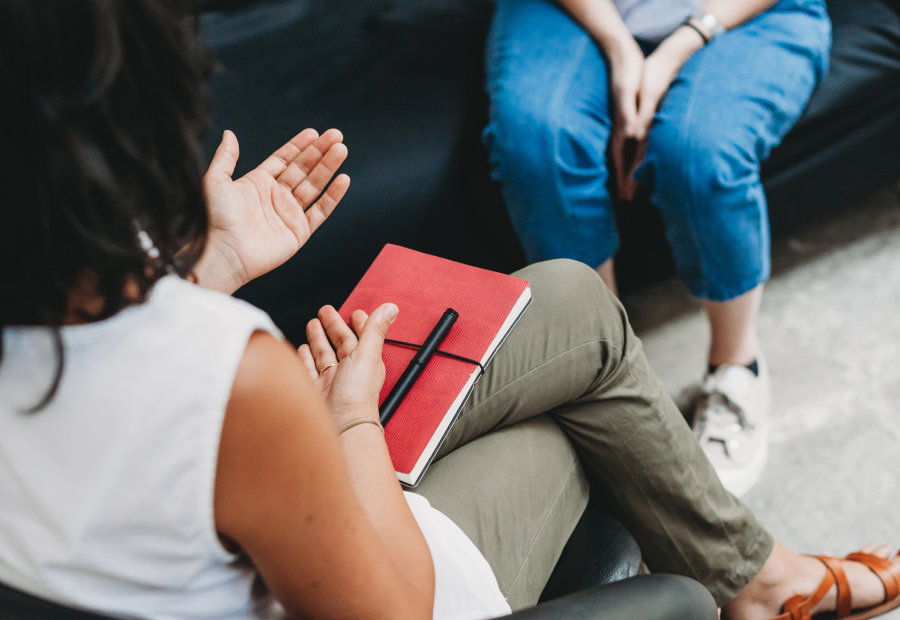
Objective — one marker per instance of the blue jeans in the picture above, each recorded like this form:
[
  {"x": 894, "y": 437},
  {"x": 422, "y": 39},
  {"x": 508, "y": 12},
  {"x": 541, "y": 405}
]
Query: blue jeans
[{"x": 730, "y": 104}]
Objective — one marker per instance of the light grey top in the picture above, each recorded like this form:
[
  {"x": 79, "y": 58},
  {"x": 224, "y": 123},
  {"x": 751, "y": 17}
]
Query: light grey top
[{"x": 654, "y": 20}]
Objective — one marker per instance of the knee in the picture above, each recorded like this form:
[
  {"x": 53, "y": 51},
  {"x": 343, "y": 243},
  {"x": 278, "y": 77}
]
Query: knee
[
  {"x": 529, "y": 135},
  {"x": 518, "y": 136},
  {"x": 570, "y": 291},
  {"x": 687, "y": 165},
  {"x": 563, "y": 273}
]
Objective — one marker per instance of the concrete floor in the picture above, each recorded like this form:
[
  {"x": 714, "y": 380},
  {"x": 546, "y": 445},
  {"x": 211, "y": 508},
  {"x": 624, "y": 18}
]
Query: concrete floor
[{"x": 830, "y": 330}]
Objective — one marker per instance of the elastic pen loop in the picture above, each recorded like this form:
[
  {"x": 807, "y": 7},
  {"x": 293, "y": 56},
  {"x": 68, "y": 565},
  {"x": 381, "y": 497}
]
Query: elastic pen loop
[{"x": 438, "y": 352}]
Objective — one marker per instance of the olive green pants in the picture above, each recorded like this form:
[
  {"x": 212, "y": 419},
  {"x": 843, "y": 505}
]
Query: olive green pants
[{"x": 570, "y": 398}]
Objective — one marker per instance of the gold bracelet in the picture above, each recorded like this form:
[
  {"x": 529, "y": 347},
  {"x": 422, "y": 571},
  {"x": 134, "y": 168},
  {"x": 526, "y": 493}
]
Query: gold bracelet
[{"x": 357, "y": 421}]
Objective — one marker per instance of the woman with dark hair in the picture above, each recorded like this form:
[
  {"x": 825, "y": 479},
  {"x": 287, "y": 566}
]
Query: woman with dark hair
[{"x": 163, "y": 453}]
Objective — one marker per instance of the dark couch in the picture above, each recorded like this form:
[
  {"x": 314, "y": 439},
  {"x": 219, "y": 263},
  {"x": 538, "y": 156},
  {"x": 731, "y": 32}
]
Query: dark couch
[{"x": 403, "y": 79}]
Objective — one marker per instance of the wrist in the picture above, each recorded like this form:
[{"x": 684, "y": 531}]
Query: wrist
[
  {"x": 364, "y": 420},
  {"x": 216, "y": 269},
  {"x": 679, "y": 46},
  {"x": 341, "y": 418},
  {"x": 619, "y": 47}
]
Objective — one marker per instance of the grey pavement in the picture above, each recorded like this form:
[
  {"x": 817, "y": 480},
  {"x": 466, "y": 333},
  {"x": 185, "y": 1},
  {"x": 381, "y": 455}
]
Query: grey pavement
[{"x": 830, "y": 330}]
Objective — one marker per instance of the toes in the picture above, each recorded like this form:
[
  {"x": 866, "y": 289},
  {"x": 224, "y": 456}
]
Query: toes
[
  {"x": 876, "y": 550},
  {"x": 884, "y": 551},
  {"x": 881, "y": 551}
]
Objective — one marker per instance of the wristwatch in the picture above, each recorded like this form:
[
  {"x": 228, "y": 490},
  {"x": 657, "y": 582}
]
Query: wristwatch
[{"x": 709, "y": 22}]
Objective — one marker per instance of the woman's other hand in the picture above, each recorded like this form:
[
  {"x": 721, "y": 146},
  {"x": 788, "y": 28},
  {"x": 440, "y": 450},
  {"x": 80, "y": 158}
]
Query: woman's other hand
[
  {"x": 259, "y": 221},
  {"x": 660, "y": 70},
  {"x": 626, "y": 66},
  {"x": 353, "y": 372}
]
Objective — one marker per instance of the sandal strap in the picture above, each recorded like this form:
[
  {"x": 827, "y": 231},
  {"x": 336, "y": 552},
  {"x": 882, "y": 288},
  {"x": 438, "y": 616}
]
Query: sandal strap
[
  {"x": 798, "y": 608},
  {"x": 887, "y": 571},
  {"x": 844, "y": 605}
]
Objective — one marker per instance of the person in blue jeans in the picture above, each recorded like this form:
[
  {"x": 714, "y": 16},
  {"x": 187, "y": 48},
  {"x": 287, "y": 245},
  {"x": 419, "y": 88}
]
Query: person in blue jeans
[{"x": 687, "y": 98}]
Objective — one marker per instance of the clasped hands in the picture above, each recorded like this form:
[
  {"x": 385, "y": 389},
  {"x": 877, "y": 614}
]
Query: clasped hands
[
  {"x": 259, "y": 221},
  {"x": 638, "y": 85}
]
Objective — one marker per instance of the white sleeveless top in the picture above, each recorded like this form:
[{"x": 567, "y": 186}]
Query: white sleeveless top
[{"x": 106, "y": 495}]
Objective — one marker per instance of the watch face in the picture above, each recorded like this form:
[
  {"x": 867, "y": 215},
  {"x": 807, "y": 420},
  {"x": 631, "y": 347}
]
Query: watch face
[{"x": 710, "y": 22}]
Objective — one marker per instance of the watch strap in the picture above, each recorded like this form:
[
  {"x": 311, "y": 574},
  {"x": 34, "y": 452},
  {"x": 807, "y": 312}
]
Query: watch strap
[{"x": 711, "y": 28}]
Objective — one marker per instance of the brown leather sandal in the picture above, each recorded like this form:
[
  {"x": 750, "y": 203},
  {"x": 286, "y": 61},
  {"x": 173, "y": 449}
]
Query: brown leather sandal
[{"x": 798, "y": 608}]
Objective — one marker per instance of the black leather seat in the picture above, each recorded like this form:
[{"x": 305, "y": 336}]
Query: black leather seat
[
  {"x": 600, "y": 551},
  {"x": 651, "y": 597}
]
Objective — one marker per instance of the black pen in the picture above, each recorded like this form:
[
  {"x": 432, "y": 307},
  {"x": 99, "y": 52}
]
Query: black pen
[{"x": 417, "y": 365}]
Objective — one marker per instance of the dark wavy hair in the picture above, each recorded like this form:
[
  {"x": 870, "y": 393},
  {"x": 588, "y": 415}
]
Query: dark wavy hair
[{"x": 104, "y": 111}]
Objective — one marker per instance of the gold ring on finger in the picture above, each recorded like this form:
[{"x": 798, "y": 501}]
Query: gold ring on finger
[{"x": 326, "y": 367}]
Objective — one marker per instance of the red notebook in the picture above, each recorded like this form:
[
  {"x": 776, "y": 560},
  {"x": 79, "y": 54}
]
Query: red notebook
[{"x": 423, "y": 287}]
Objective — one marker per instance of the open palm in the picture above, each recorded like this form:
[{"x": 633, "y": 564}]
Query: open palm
[{"x": 259, "y": 221}]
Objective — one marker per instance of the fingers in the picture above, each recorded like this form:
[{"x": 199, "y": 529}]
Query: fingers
[
  {"x": 276, "y": 163},
  {"x": 629, "y": 186},
  {"x": 320, "y": 160},
  {"x": 647, "y": 112},
  {"x": 319, "y": 346},
  {"x": 358, "y": 321},
  {"x": 626, "y": 128},
  {"x": 650, "y": 98},
  {"x": 371, "y": 340},
  {"x": 620, "y": 165},
  {"x": 338, "y": 332},
  {"x": 309, "y": 188},
  {"x": 324, "y": 206},
  {"x": 627, "y": 114},
  {"x": 225, "y": 159},
  {"x": 306, "y": 358},
  {"x": 632, "y": 127}
]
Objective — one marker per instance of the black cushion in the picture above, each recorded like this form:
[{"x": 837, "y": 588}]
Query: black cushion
[
  {"x": 847, "y": 143},
  {"x": 599, "y": 551},
  {"x": 651, "y": 597},
  {"x": 17, "y": 605}
]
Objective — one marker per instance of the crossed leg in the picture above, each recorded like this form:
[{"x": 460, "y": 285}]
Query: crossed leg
[{"x": 571, "y": 385}]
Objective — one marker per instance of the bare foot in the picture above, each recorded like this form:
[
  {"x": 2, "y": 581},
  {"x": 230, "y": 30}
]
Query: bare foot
[{"x": 786, "y": 574}]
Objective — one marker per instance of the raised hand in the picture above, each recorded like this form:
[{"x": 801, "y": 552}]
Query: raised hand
[{"x": 259, "y": 221}]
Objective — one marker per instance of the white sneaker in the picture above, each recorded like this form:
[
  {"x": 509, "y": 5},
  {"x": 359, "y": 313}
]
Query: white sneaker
[{"x": 731, "y": 421}]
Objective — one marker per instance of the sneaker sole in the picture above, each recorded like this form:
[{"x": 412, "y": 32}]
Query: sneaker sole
[{"x": 738, "y": 482}]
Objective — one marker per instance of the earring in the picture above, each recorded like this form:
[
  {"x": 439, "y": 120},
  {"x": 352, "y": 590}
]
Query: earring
[
  {"x": 150, "y": 248},
  {"x": 147, "y": 244}
]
